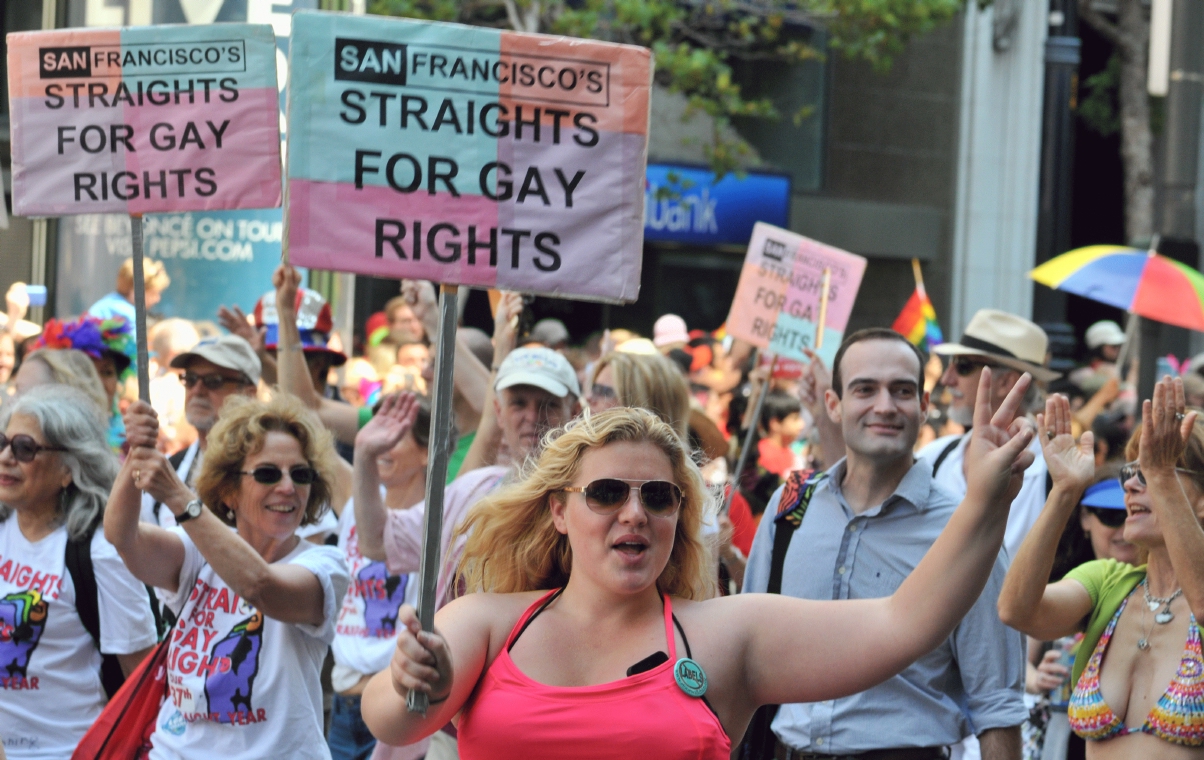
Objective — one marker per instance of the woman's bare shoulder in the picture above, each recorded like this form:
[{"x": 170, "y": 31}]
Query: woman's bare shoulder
[{"x": 497, "y": 610}]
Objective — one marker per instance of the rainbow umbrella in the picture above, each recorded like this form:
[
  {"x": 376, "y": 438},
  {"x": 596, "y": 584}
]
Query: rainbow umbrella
[{"x": 1140, "y": 282}]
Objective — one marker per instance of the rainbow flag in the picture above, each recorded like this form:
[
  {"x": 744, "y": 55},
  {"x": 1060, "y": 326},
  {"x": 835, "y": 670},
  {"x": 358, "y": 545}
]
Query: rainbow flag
[{"x": 917, "y": 322}]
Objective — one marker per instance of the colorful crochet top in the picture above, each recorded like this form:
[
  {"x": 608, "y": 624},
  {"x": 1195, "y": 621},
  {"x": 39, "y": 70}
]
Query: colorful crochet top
[{"x": 1177, "y": 718}]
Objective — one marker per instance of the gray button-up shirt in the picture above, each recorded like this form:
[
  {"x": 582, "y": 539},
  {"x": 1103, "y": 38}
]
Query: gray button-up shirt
[{"x": 972, "y": 682}]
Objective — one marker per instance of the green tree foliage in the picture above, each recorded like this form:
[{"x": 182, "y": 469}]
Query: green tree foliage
[{"x": 696, "y": 42}]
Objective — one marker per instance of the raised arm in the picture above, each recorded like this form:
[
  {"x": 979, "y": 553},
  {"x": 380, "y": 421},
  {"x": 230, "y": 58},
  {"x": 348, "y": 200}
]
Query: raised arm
[
  {"x": 153, "y": 555},
  {"x": 1028, "y": 602},
  {"x": 484, "y": 448},
  {"x": 1165, "y": 430},
  {"x": 384, "y": 431},
  {"x": 852, "y": 645},
  {"x": 470, "y": 377},
  {"x": 292, "y": 373}
]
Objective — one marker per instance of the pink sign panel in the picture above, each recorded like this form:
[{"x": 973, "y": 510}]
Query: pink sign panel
[{"x": 144, "y": 119}]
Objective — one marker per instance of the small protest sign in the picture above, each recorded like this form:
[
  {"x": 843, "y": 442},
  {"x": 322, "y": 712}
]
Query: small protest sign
[
  {"x": 778, "y": 299},
  {"x": 467, "y": 155},
  {"x": 143, "y": 119}
]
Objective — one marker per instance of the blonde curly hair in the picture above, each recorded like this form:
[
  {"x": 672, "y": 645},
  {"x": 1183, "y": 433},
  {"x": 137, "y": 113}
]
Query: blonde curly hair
[
  {"x": 241, "y": 431},
  {"x": 513, "y": 545}
]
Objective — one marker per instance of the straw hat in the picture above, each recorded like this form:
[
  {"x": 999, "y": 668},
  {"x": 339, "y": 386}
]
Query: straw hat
[{"x": 1005, "y": 339}]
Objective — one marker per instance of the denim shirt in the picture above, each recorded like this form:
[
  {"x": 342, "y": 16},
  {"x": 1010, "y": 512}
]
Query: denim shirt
[{"x": 970, "y": 683}]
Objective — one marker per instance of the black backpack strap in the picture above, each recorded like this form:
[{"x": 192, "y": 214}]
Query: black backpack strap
[
  {"x": 83, "y": 576},
  {"x": 940, "y": 459}
]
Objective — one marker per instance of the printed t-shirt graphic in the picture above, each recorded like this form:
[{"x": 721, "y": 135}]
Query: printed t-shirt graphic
[
  {"x": 50, "y": 689},
  {"x": 367, "y": 628},
  {"x": 22, "y": 620},
  {"x": 241, "y": 684}
]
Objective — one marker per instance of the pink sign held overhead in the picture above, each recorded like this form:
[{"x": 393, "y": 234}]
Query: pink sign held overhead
[
  {"x": 143, "y": 119},
  {"x": 781, "y": 303}
]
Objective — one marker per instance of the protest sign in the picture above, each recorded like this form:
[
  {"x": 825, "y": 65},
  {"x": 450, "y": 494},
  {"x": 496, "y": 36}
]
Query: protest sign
[
  {"x": 143, "y": 119},
  {"x": 467, "y": 155},
  {"x": 778, "y": 298}
]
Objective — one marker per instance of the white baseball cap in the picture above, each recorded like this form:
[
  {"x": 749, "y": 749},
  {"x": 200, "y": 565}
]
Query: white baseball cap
[
  {"x": 540, "y": 367},
  {"x": 1105, "y": 333}
]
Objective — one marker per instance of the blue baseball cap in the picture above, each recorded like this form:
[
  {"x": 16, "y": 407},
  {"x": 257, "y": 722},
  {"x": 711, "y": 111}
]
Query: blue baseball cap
[{"x": 1107, "y": 494}]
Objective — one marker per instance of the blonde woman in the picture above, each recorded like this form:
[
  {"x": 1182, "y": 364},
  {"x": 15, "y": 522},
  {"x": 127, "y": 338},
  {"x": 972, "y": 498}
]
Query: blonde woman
[
  {"x": 256, "y": 605},
  {"x": 66, "y": 366},
  {"x": 601, "y": 638},
  {"x": 648, "y": 381}
]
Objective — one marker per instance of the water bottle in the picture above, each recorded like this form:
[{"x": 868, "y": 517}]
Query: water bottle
[{"x": 1059, "y": 698}]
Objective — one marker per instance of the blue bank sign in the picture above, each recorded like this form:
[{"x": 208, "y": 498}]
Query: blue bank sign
[{"x": 686, "y": 205}]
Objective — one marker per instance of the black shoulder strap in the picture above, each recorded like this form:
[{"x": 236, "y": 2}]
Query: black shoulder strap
[
  {"x": 801, "y": 486},
  {"x": 175, "y": 460},
  {"x": 945, "y": 454},
  {"x": 83, "y": 576}
]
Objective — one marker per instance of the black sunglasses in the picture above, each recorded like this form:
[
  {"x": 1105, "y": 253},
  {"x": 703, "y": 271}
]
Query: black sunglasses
[
  {"x": 1112, "y": 518},
  {"x": 270, "y": 474},
  {"x": 211, "y": 382},
  {"x": 966, "y": 367},
  {"x": 25, "y": 448},
  {"x": 607, "y": 495}
]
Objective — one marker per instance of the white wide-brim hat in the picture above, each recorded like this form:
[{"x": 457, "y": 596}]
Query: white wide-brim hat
[{"x": 1005, "y": 339}]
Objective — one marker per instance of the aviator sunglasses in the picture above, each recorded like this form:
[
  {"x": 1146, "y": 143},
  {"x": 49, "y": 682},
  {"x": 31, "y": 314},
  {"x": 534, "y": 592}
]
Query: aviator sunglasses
[
  {"x": 607, "y": 495},
  {"x": 270, "y": 474},
  {"x": 25, "y": 448},
  {"x": 1132, "y": 469}
]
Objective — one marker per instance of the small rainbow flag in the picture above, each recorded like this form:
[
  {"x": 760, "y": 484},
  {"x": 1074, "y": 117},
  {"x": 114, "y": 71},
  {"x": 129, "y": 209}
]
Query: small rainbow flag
[{"x": 917, "y": 322}]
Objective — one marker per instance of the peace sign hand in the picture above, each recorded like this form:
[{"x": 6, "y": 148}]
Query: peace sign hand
[
  {"x": 998, "y": 454},
  {"x": 1071, "y": 465}
]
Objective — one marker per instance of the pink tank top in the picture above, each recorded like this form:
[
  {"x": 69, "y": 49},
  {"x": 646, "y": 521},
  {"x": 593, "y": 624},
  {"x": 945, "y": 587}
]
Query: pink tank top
[{"x": 512, "y": 717}]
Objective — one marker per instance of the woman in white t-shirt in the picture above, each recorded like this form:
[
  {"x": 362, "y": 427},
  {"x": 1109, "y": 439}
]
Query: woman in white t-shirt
[
  {"x": 256, "y": 605},
  {"x": 390, "y": 460},
  {"x": 56, "y": 469}
]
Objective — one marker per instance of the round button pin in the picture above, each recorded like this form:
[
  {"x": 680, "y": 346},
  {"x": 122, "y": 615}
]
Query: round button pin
[{"x": 690, "y": 677}]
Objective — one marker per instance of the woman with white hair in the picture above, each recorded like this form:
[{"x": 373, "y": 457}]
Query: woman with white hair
[{"x": 56, "y": 470}]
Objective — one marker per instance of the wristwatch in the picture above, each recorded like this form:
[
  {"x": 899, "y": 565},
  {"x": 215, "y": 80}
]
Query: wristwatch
[{"x": 191, "y": 510}]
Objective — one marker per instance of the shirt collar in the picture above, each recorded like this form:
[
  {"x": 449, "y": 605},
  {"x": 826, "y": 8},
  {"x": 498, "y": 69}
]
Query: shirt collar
[{"x": 914, "y": 489}]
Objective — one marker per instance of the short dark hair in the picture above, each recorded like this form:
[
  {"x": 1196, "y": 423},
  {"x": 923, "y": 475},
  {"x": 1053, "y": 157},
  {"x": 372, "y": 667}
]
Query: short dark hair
[
  {"x": 779, "y": 405},
  {"x": 873, "y": 333}
]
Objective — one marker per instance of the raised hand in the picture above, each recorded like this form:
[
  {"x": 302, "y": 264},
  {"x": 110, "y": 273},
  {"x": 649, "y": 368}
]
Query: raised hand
[
  {"x": 234, "y": 320},
  {"x": 813, "y": 383},
  {"x": 421, "y": 660},
  {"x": 388, "y": 426},
  {"x": 505, "y": 325},
  {"x": 286, "y": 280},
  {"x": 998, "y": 454},
  {"x": 424, "y": 302},
  {"x": 1071, "y": 465},
  {"x": 1165, "y": 427}
]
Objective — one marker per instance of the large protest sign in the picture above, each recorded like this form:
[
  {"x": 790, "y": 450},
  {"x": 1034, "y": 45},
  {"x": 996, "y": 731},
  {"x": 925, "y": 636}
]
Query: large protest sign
[
  {"x": 467, "y": 155},
  {"x": 778, "y": 299},
  {"x": 143, "y": 119}
]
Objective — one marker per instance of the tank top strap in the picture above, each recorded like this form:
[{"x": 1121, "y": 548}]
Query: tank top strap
[
  {"x": 535, "y": 608},
  {"x": 670, "y": 638}
]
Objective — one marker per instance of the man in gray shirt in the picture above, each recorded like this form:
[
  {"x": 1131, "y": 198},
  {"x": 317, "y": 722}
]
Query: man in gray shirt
[{"x": 870, "y": 520}]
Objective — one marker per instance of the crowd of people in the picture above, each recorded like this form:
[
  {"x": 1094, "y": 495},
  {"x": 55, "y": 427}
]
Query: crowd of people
[{"x": 925, "y": 555}]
